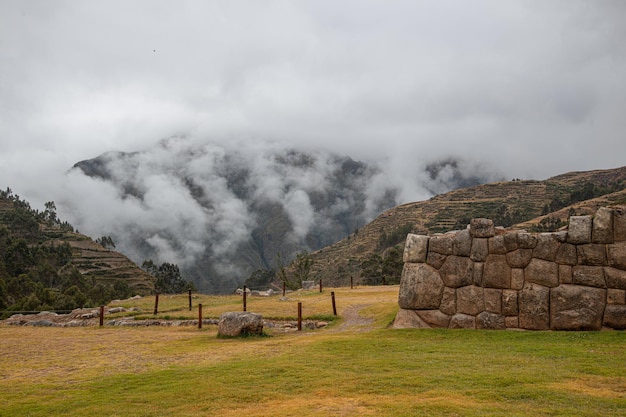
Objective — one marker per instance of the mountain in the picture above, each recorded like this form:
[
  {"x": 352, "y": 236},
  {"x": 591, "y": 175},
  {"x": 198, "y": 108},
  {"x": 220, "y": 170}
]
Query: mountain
[
  {"x": 46, "y": 265},
  {"x": 534, "y": 205},
  {"x": 222, "y": 213}
]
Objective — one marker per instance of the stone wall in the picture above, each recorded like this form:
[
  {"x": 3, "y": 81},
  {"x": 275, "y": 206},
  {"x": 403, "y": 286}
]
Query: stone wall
[{"x": 485, "y": 277}]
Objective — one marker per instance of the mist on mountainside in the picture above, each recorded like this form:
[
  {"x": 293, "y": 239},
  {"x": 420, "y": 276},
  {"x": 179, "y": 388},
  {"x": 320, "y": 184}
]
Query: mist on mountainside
[{"x": 220, "y": 213}]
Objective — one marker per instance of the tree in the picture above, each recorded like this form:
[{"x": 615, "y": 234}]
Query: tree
[
  {"x": 302, "y": 266},
  {"x": 168, "y": 278}
]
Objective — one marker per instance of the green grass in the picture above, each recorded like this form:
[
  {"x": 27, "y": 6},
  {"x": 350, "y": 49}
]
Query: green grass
[{"x": 191, "y": 372}]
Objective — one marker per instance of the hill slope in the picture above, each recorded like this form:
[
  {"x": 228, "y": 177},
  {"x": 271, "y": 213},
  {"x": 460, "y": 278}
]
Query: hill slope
[
  {"x": 46, "y": 265},
  {"x": 537, "y": 205}
]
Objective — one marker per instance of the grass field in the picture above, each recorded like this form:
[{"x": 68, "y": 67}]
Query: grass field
[{"x": 342, "y": 370}]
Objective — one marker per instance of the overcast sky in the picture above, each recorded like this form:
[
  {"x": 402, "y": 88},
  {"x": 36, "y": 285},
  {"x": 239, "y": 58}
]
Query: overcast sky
[{"x": 530, "y": 89}]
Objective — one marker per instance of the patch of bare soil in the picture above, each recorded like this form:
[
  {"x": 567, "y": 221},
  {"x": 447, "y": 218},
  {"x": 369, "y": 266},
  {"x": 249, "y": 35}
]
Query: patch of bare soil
[{"x": 353, "y": 320}]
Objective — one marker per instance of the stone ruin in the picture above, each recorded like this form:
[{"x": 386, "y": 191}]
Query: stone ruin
[{"x": 487, "y": 277}]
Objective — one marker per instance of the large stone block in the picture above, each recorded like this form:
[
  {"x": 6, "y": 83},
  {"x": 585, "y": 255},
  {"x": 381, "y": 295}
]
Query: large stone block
[
  {"x": 491, "y": 321},
  {"x": 519, "y": 258},
  {"x": 542, "y": 272},
  {"x": 509, "y": 303},
  {"x": 421, "y": 287},
  {"x": 497, "y": 245},
  {"x": 457, "y": 271},
  {"x": 497, "y": 272},
  {"x": 442, "y": 244},
  {"x": 493, "y": 300},
  {"x": 517, "y": 278},
  {"x": 415, "y": 248},
  {"x": 526, "y": 240},
  {"x": 619, "y": 224},
  {"x": 435, "y": 259},
  {"x": 616, "y": 254},
  {"x": 479, "y": 268},
  {"x": 591, "y": 276},
  {"x": 233, "y": 324},
  {"x": 579, "y": 230},
  {"x": 511, "y": 322},
  {"x": 615, "y": 296},
  {"x": 534, "y": 307},
  {"x": 565, "y": 274},
  {"x": 510, "y": 241},
  {"x": 470, "y": 300},
  {"x": 603, "y": 226},
  {"x": 434, "y": 318},
  {"x": 482, "y": 228},
  {"x": 615, "y": 317},
  {"x": 462, "y": 321},
  {"x": 547, "y": 246},
  {"x": 462, "y": 243},
  {"x": 574, "y": 307},
  {"x": 615, "y": 278},
  {"x": 448, "y": 301},
  {"x": 591, "y": 254},
  {"x": 408, "y": 319},
  {"x": 566, "y": 255},
  {"x": 480, "y": 250}
]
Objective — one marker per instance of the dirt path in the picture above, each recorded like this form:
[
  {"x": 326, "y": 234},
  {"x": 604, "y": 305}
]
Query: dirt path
[{"x": 353, "y": 320}]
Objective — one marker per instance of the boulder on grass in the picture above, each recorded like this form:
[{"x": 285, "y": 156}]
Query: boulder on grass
[{"x": 233, "y": 324}]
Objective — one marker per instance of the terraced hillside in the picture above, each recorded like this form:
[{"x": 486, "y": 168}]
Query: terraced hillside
[{"x": 537, "y": 205}]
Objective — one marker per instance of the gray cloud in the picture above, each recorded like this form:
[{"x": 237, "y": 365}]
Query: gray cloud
[{"x": 524, "y": 88}]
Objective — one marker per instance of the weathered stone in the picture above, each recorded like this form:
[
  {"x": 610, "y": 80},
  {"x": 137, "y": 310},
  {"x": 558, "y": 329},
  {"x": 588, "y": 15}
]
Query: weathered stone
[
  {"x": 480, "y": 250},
  {"x": 614, "y": 296},
  {"x": 615, "y": 317},
  {"x": 493, "y": 300},
  {"x": 435, "y": 259},
  {"x": 470, "y": 300},
  {"x": 602, "y": 231},
  {"x": 591, "y": 254},
  {"x": 579, "y": 230},
  {"x": 591, "y": 276},
  {"x": 462, "y": 321},
  {"x": 482, "y": 228},
  {"x": 565, "y": 274},
  {"x": 233, "y": 324},
  {"x": 408, "y": 319},
  {"x": 574, "y": 307},
  {"x": 534, "y": 307},
  {"x": 509, "y": 303},
  {"x": 511, "y": 322},
  {"x": 491, "y": 321},
  {"x": 434, "y": 318},
  {"x": 547, "y": 247},
  {"x": 479, "y": 268},
  {"x": 542, "y": 272},
  {"x": 497, "y": 272},
  {"x": 421, "y": 287},
  {"x": 448, "y": 301},
  {"x": 415, "y": 248},
  {"x": 615, "y": 278},
  {"x": 496, "y": 245},
  {"x": 517, "y": 278},
  {"x": 560, "y": 236},
  {"x": 616, "y": 254},
  {"x": 462, "y": 243},
  {"x": 566, "y": 255},
  {"x": 510, "y": 241},
  {"x": 457, "y": 271},
  {"x": 619, "y": 224},
  {"x": 519, "y": 258},
  {"x": 526, "y": 240},
  {"x": 442, "y": 244}
]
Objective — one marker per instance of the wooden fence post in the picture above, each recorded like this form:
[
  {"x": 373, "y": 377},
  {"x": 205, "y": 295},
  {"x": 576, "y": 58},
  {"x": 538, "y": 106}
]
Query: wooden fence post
[
  {"x": 244, "y": 298},
  {"x": 189, "y": 300},
  {"x": 320, "y": 285},
  {"x": 101, "y": 316},
  {"x": 351, "y": 283},
  {"x": 199, "y": 316},
  {"x": 156, "y": 304},
  {"x": 299, "y": 316},
  {"x": 284, "y": 288},
  {"x": 332, "y": 295}
]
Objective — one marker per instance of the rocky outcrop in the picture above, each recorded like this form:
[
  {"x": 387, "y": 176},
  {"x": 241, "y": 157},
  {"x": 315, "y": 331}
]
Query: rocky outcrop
[
  {"x": 233, "y": 324},
  {"x": 487, "y": 277}
]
